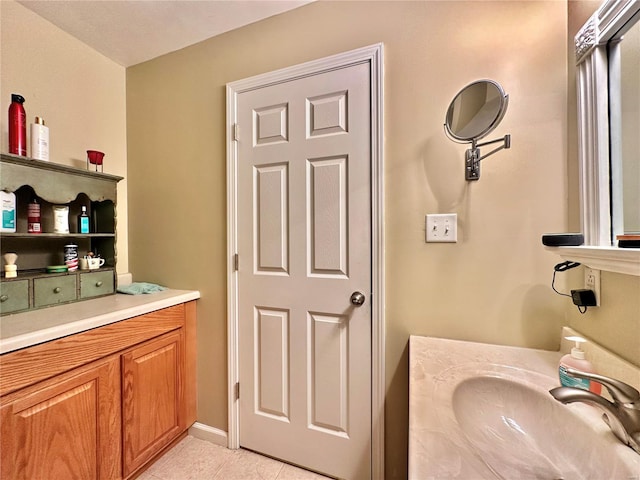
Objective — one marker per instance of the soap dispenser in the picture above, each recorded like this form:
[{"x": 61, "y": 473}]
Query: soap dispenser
[{"x": 576, "y": 360}]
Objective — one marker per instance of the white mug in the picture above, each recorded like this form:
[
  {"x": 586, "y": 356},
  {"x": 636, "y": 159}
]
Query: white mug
[{"x": 95, "y": 263}]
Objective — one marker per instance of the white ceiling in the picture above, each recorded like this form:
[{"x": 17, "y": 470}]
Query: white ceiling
[{"x": 134, "y": 31}]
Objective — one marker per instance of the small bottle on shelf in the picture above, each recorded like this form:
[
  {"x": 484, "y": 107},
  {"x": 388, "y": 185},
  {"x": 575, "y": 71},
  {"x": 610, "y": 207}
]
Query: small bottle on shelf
[
  {"x": 39, "y": 140},
  {"x": 60, "y": 218},
  {"x": 17, "y": 126},
  {"x": 33, "y": 217},
  {"x": 8, "y": 201},
  {"x": 83, "y": 221}
]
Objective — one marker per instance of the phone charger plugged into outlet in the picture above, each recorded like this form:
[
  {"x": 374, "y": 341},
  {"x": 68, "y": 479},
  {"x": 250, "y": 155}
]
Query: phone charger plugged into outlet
[{"x": 583, "y": 298}]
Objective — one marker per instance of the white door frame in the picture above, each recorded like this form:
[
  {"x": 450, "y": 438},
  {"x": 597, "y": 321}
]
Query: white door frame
[{"x": 373, "y": 56}]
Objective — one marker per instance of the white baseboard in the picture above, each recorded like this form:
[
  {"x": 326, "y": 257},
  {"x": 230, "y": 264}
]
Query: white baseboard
[{"x": 210, "y": 434}]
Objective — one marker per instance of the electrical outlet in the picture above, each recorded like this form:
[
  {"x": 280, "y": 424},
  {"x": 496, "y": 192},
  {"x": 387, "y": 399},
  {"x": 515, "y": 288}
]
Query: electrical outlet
[
  {"x": 592, "y": 282},
  {"x": 441, "y": 227}
]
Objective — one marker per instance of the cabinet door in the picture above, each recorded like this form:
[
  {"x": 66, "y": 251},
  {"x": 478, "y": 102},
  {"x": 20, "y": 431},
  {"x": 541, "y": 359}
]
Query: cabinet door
[
  {"x": 67, "y": 427},
  {"x": 152, "y": 407}
]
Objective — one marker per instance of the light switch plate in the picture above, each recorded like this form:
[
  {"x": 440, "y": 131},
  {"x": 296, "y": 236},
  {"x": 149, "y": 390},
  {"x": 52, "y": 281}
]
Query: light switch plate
[{"x": 441, "y": 227}]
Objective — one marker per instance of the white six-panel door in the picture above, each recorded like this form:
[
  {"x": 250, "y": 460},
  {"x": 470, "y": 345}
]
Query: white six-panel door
[{"x": 304, "y": 245}]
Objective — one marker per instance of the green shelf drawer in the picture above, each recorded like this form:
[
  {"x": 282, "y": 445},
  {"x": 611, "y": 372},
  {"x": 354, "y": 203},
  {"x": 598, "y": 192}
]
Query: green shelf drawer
[
  {"x": 54, "y": 290},
  {"x": 14, "y": 296},
  {"x": 96, "y": 284}
]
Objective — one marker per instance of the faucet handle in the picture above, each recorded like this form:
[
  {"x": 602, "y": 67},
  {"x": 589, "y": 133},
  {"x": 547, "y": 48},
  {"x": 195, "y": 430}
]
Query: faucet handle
[{"x": 620, "y": 391}]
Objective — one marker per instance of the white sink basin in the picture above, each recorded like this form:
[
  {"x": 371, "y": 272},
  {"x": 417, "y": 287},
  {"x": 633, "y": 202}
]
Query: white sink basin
[
  {"x": 482, "y": 412},
  {"x": 521, "y": 431}
]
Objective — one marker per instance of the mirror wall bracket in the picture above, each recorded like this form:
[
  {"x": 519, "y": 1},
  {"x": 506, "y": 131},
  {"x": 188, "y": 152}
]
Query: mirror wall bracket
[
  {"x": 473, "y": 158},
  {"x": 472, "y": 115}
]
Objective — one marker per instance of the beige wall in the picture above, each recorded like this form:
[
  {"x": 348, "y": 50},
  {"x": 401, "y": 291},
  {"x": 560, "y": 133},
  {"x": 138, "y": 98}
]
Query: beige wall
[
  {"x": 80, "y": 94},
  {"x": 492, "y": 286}
]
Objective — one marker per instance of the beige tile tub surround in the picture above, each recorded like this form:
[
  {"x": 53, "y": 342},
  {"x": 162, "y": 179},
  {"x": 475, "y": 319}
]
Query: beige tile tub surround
[{"x": 437, "y": 449}]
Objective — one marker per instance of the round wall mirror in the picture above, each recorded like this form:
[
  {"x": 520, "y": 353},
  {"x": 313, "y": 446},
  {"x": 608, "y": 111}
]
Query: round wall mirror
[{"x": 476, "y": 110}]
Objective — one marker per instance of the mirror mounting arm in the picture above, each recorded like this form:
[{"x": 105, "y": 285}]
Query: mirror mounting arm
[
  {"x": 473, "y": 114},
  {"x": 473, "y": 158}
]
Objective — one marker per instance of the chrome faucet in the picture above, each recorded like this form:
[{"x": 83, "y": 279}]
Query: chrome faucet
[{"x": 622, "y": 414}]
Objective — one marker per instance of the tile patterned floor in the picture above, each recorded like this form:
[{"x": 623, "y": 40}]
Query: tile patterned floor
[{"x": 195, "y": 459}]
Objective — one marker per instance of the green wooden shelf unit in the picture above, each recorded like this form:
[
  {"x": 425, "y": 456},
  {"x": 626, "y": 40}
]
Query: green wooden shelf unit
[{"x": 54, "y": 184}]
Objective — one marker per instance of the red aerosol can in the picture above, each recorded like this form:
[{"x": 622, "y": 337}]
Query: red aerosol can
[{"x": 17, "y": 126}]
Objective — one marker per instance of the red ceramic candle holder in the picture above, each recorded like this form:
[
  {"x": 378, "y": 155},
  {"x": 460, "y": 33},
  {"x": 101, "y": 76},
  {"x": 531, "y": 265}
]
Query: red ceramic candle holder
[{"x": 95, "y": 157}]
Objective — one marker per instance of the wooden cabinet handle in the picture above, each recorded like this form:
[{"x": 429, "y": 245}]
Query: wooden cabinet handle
[
  {"x": 57, "y": 290},
  {"x": 98, "y": 284},
  {"x": 4, "y": 298}
]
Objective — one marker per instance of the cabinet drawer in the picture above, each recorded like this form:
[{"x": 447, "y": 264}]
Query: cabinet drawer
[
  {"x": 95, "y": 284},
  {"x": 14, "y": 296},
  {"x": 50, "y": 291}
]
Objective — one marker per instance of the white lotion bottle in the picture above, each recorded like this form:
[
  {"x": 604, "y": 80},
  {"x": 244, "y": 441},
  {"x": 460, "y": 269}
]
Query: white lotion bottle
[
  {"x": 39, "y": 140},
  {"x": 576, "y": 360}
]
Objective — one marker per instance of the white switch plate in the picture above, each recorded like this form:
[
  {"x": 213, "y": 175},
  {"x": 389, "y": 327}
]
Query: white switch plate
[
  {"x": 592, "y": 282},
  {"x": 441, "y": 227}
]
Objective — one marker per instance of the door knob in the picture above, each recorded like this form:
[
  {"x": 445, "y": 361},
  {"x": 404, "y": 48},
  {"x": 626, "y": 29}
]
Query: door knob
[{"x": 357, "y": 298}]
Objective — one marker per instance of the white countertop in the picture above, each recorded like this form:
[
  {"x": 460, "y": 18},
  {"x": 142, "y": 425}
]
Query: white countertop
[
  {"x": 22, "y": 330},
  {"x": 439, "y": 450}
]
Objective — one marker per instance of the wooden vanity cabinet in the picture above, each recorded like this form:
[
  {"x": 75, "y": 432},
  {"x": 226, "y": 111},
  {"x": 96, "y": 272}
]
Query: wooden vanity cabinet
[
  {"x": 63, "y": 427},
  {"x": 101, "y": 404},
  {"x": 151, "y": 379}
]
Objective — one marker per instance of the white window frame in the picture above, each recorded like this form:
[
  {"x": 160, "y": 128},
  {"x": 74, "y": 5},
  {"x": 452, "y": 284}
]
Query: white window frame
[{"x": 593, "y": 137}]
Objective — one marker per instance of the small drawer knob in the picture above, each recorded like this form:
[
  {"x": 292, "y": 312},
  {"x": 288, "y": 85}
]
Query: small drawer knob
[
  {"x": 4, "y": 298},
  {"x": 98, "y": 284},
  {"x": 57, "y": 290}
]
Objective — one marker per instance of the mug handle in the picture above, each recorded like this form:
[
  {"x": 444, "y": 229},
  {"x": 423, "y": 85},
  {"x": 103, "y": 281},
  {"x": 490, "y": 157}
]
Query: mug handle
[{"x": 101, "y": 261}]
